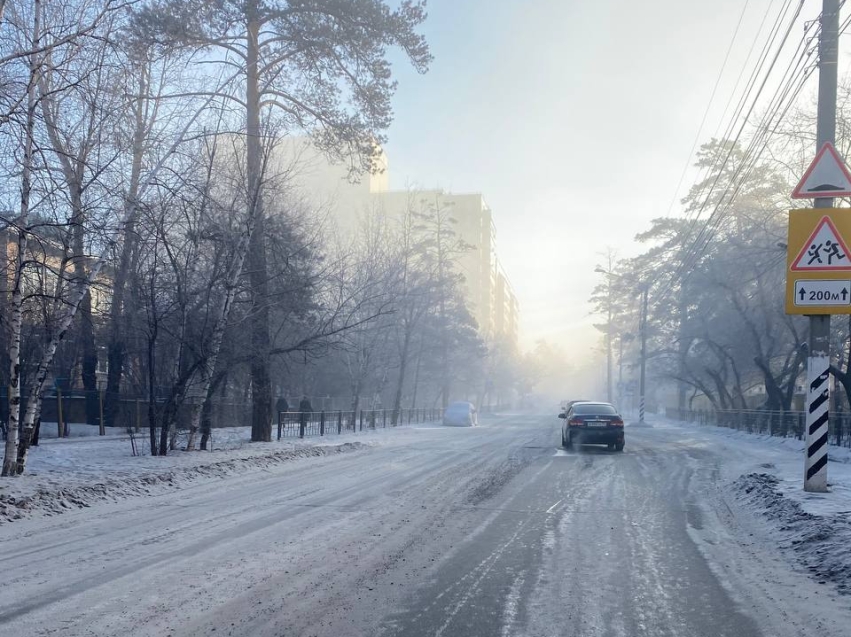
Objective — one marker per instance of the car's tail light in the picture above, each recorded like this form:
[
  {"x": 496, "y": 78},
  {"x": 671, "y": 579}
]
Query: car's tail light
[
  {"x": 617, "y": 422},
  {"x": 573, "y": 422}
]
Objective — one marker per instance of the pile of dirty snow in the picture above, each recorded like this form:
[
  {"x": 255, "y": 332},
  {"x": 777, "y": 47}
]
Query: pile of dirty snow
[{"x": 821, "y": 543}]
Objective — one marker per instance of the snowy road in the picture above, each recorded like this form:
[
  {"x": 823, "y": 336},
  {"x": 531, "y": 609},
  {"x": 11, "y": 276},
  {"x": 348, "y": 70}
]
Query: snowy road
[{"x": 436, "y": 531}]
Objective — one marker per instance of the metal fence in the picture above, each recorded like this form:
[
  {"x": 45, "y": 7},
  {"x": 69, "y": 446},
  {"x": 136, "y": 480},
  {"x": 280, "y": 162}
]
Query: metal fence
[
  {"x": 298, "y": 424},
  {"x": 784, "y": 424}
]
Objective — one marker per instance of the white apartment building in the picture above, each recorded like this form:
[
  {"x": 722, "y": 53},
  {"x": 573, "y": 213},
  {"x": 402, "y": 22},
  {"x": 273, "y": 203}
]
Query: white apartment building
[{"x": 328, "y": 188}]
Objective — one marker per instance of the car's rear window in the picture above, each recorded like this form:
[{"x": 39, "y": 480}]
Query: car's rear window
[{"x": 594, "y": 409}]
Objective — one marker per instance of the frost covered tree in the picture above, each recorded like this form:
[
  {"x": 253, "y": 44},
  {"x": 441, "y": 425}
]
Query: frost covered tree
[
  {"x": 716, "y": 323},
  {"x": 318, "y": 66},
  {"x": 51, "y": 51}
]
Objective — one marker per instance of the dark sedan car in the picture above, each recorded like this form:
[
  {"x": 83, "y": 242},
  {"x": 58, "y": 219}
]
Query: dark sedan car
[{"x": 590, "y": 423}]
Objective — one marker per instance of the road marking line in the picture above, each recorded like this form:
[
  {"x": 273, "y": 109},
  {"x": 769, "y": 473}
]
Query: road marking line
[{"x": 550, "y": 510}]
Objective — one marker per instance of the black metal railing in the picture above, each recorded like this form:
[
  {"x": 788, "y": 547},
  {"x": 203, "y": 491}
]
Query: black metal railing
[
  {"x": 783, "y": 424},
  {"x": 299, "y": 424}
]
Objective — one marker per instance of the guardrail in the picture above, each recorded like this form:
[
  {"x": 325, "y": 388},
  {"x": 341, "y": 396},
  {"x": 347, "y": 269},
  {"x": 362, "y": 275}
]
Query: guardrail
[
  {"x": 783, "y": 424},
  {"x": 298, "y": 424}
]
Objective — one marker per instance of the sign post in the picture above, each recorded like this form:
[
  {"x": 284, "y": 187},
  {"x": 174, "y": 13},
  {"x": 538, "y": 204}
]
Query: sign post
[
  {"x": 821, "y": 182},
  {"x": 818, "y": 284}
]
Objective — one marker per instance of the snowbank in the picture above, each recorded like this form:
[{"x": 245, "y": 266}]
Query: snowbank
[
  {"x": 53, "y": 492},
  {"x": 71, "y": 473},
  {"x": 814, "y": 529},
  {"x": 64, "y": 474},
  {"x": 821, "y": 543}
]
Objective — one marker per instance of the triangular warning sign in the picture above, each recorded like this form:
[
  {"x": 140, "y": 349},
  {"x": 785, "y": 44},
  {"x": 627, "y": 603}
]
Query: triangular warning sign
[
  {"x": 827, "y": 176},
  {"x": 825, "y": 250}
]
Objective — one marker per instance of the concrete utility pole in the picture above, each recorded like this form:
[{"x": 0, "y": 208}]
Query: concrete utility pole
[
  {"x": 609, "y": 396},
  {"x": 620, "y": 371},
  {"x": 643, "y": 325},
  {"x": 818, "y": 360}
]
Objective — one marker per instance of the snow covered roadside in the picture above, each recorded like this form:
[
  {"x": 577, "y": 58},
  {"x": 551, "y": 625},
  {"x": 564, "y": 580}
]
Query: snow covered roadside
[
  {"x": 766, "y": 477},
  {"x": 68, "y": 474}
]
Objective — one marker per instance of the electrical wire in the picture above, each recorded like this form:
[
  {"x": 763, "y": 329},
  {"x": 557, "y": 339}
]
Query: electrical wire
[
  {"x": 693, "y": 252},
  {"x": 720, "y": 158},
  {"x": 792, "y": 83},
  {"x": 697, "y": 137},
  {"x": 744, "y": 120}
]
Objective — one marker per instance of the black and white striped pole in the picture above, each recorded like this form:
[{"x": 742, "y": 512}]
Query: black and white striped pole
[
  {"x": 818, "y": 361},
  {"x": 818, "y": 399}
]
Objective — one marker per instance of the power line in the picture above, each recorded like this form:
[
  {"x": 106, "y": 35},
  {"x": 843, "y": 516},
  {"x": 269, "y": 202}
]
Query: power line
[
  {"x": 715, "y": 167},
  {"x": 793, "y": 80},
  {"x": 697, "y": 137},
  {"x": 692, "y": 253}
]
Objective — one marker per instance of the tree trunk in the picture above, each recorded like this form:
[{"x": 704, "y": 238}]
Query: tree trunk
[
  {"x": 118, "y": 320},
  {"x": 772, "y": 389},
  {"x": 36, "y": 432},
  {"x": 356, "y": 390},
  {"x": 73, "y": 161},
  {"x": 417, "y": 377},
  {"x": 261, "y": 385},
  {"x": 11, "y": 454},
  {"x": 723, "y": 395},
  {"x": 206, "y": 422},
  {"x": 7, "y": 267},
  {"x": 70, "y": 308},
  {"x": 89, "y": 355},
  {"x": 71, "y": 304},
  {"x": 792, "y": 380},
  {"x": 844, "y": 376},
  {"x": 152, "y": 387},
  {"x": 204, "y": 373},
  {"x": 682, "y": 353},
  {"x": 89, "y": 361},
  {"x": 10, "y": 459},
  {"x": 403, "y": 366},
  {"x": 165, "y": 425},
  {"x": 202, "y": 376}
]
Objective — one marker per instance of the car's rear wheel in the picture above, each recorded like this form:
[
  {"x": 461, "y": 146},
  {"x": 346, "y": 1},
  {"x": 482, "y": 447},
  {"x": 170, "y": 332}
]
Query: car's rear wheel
[
  {"x": 611, "y": 446},
  {"x": 619, "y": 446},
  {"x": 569, "y": 444}
]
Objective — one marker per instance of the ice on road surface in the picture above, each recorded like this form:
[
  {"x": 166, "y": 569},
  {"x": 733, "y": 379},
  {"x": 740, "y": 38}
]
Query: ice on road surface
[{"x": 483, "y": 531}]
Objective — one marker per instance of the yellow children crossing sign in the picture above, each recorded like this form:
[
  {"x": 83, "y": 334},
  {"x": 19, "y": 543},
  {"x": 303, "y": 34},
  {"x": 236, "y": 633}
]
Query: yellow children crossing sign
[{"x": 818, "y": 262}]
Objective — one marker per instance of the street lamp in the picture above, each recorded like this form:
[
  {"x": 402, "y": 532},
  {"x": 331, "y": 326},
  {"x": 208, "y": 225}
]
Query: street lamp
[{"x": 642, "y": 328}]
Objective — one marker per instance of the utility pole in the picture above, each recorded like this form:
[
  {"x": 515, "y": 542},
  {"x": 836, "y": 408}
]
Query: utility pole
[
  {"x": 620, "y": 371},
  {"x": 609, "y": 396},
  {"x": 643, "y": 327},
  {"x": 682, "y": 352},
  {"x": 818, "y": 359}
]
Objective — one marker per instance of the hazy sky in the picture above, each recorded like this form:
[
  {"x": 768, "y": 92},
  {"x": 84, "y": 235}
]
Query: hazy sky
[{"x": 575, "y": 120}]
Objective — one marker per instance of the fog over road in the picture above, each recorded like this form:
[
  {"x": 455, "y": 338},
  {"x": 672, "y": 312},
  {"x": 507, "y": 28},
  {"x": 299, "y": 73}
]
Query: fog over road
[{"x": 487, "y": 531}]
